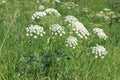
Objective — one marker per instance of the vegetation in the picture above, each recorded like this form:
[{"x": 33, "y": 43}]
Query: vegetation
[{"x": 61, "y": 53}]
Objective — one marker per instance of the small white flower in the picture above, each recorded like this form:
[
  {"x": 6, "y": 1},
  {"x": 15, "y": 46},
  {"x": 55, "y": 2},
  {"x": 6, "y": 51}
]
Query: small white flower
[
  {"x": 57, "y": 29},
  {"x": 52, "y": 11},
  {"x": 71, "y": 42},
  {"x": 99, "y": 51},
  {"x": 35, "y": 31},
  {"x": 100, "y": 33},
  {"x": 71, "y": 19},
  {"x": 27, "y": 34},
  {"x": 41, "y": 7},
  {"x": 37, "y": 15},
  {"x": 35, "y": 37}
]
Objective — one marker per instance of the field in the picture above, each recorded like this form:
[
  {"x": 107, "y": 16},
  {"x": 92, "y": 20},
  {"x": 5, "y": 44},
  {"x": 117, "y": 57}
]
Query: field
[{"x": 68, "y": 53}]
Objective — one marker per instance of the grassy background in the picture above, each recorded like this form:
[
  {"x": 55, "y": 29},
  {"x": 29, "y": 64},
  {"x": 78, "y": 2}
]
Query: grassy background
[{"x": 15, "y": 16}]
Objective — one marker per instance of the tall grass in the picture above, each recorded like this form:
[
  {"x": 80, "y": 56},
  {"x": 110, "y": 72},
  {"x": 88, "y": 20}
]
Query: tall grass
[{"x": 26, "y": 58}]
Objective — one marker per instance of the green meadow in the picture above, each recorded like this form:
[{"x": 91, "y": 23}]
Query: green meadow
[{"x": 47, "y": 57}]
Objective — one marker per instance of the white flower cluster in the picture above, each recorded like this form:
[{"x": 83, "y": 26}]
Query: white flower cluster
[
  {"x": 35, "y": 31},
  {"x": 80, "y": 30},
  {"x": 52, "y": 11},
  {"x": 99, "y": 51},
  {"x": 41, "y": 7},
  {"x": 37, "y": 15},
  {"x": 106, "y": 14},
  {"x": 57, "y": 29},
  {"x": 71, "y": 42},
  {"x": 100, "y": 33},
  {"x": 78, "y": 27},
  {"x": 71, "y": 19}
]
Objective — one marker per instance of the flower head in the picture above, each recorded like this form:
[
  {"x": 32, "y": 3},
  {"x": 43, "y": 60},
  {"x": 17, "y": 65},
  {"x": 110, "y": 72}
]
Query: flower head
[
  {"x": 80, "y": 30},
  {"x": 100, "y": 33},
  {"x": 71, "y": 42},
  {"x": 35, "y": 30},
  {"x": 52, "y": 11},
  {"x": 71, "y": 19},
  {"x": 57, "y": 29},
  {"x": 99, "y": 51},
  {"x": 78, "y": 27},
  {"x": 37, "y": 15},
  {"x": 41, "y": 7}
]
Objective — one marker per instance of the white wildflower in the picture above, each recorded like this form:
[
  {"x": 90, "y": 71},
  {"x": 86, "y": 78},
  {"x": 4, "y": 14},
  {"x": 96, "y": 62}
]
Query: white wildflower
[
  {"x": 80, "y": 29},
  {"x": 106, "y": 9},
  {"x": 100, "y": 33},
  {"x": 99, "y": 51},
  {"x": 35, "y": 31},
  {"x": 71, "y": 19},
  {"x": 57, "y": 29},
  {"x": 71, "y": 42},
  {"x": 41, "y": 7},
  {"x": 37, "y": 15},
  {"x": 52, "y": 11}
]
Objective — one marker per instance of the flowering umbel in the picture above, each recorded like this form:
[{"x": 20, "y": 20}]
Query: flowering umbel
[
  {"x": 35, "y": 31},
  {"x": 99, "y": 51},
  {"x": 71, "y": 19},
  {"x": 80, "y": 30},
  {"x": 57, "y": 29},
  {"x": 77, "y": 26},
  {"x": 38, "y": 15},
  {"x": 100, "y": 33},
  {"x": 52, "y": 11},
  {"x": 71, "y": 42}
]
